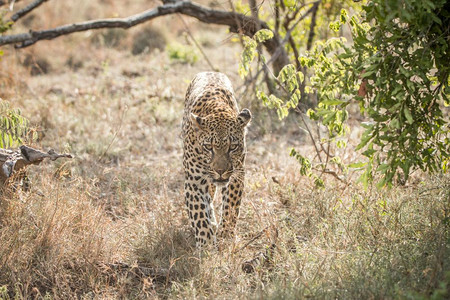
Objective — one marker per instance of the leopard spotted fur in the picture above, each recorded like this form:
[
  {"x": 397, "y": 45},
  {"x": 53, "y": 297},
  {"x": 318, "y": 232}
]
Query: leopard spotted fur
[{"x": 213, "y": 133}]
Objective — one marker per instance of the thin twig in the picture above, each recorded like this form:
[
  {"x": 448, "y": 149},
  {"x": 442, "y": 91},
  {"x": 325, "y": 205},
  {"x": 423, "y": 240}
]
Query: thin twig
[
  {"x": 288, "y": 19},
  {"x": 277, "y": 16},
  {"x": 257, "y": 236},
  {"x": 286, "y": 24},
  {"x": 115, "y": 133},
  {"x": 311, "y": 136},
  {"x": 330, "y": 172},
  {"x": 197, "y": 44},
  {"x": 296, "y": 54}
]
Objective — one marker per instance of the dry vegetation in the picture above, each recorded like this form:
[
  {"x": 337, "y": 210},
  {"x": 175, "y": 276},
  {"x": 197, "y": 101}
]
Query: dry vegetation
[{"x": 89, "y": 222}]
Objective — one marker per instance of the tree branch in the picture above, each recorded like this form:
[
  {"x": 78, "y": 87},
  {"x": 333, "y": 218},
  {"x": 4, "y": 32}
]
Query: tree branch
[
  {"x": 279, "y": 51},
  {"x": 315, "y": 8},
  {"x": 235, "y": 21},
  {"x": 13, "y": 161},
  {"x": 24, "y": 11}
]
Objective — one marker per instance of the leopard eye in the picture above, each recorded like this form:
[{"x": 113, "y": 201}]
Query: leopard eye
[
  {"x": 233, "y": 147},
  {"x": 207, "y": 147}
]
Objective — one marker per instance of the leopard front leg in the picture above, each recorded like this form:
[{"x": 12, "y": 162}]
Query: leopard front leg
[
  {"x": 231, "y": 201},
  {"x": 201, "y": 215}
]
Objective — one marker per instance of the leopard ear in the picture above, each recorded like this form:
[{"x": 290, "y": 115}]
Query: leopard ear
[
  {"x": 197, "y": 121},
  {"x": 244, "y": 117}
]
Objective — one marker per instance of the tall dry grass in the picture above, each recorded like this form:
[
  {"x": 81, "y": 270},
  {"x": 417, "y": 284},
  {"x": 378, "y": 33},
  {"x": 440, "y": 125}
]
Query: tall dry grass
[
  {"x": 348, "y": 244},
  {"x": 96, "y": 226}
]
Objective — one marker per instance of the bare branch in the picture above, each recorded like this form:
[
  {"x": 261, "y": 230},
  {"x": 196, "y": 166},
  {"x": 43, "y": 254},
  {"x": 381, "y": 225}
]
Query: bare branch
[
  {"x": 311, "y": 136},
  {"x": 236, "y": 21},
  {"x": 315, "y": 8},
  {"x": 279, "y": 51},
  {"x": 254, "y": 9},
  {"x": 13, "y": 161},
  {"x": 332, "y": 173},
  {"x": 199, "y": 47},
  {"x": 24, "y": 11}
]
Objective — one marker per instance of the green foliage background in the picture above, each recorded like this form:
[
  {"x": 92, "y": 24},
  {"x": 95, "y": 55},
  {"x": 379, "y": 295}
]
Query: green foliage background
[{"x": 396, "y": 67}]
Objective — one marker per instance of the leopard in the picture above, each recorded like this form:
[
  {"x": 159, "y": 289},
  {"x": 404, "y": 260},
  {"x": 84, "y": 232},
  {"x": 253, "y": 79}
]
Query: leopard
[{"x": 214, "y": 151}]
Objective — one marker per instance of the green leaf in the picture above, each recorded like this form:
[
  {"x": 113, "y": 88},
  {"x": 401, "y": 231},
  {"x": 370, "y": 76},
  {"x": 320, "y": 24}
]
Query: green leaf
[
  {"x": 247, "y": 56},
  {"x": 364, "y": 140},
  {"x": 367, "y": 125},
  {"x": 406, "y": 73},
  {"x": 286, "y": 73},
  {"x": 368, "y": 73},
  {"x": 300, "y": 76},
  {"x": 344, "y": 16},
  {"x": 345, "y": 55},
  {"x": 357, "y": 165},
  {"x": 382, "y": 168},
  {"x": 395, "y": 123},
  {"x": 341, "y": 144},
  {"x": 263, "y": 35},
  {"x": 408, "y": 115}
]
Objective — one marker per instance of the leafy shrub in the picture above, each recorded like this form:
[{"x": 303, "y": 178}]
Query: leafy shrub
[
  {"x": 13, "y": 126},
  {"x": 396, "y": 69},
  {"x": 182, "y": 53}
]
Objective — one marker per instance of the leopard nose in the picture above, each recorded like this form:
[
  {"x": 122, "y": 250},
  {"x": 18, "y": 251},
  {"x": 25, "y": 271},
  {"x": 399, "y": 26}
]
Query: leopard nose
[{"x": 220, "y": 171}]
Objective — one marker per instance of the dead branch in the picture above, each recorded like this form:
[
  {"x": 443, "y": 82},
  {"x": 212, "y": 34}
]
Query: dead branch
[
  {"x": 12, "y": 161},
  {"x": 27, "y": 9},
  {"x": 238, "y": 23}
]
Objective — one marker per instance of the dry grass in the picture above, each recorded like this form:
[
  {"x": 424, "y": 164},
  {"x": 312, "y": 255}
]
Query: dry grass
[{"x": 119, "y": 200}]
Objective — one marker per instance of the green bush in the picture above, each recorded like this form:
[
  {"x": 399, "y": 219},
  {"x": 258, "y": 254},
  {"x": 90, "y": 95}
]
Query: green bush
[
  {"x": 396, "y": 68},
  {"x": 182, "y": 53},
  {"x": 14, "y": 128}
]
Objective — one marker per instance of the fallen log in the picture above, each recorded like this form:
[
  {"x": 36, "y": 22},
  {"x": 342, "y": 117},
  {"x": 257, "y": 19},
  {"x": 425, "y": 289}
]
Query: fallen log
[{"x": 14, "y": 161}]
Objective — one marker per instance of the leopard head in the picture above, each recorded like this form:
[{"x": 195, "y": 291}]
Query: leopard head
[{"x": 221, "y": 137}]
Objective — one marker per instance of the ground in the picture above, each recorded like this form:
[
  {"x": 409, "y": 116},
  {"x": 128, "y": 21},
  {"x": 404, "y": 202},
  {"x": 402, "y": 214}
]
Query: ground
[{"x": 120, "y": 199}]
